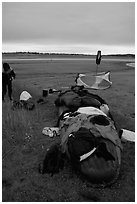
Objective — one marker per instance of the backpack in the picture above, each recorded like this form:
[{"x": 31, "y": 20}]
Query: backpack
[
  {"x": 93, "y": 153},
  {"x": 53, "y": 160},
  {"x": 28, "y": 105}
]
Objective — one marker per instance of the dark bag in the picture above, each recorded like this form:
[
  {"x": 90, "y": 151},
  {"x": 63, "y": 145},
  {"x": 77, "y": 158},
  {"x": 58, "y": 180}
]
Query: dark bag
[
  {"x": 102, "y": 165},
  {"x": 53, "y": 161},
  {"x": 96, "y": 157},
  {"x": 28, "y": 105}
]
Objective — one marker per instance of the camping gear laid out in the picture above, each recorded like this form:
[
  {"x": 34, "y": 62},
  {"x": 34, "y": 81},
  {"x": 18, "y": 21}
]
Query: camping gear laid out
[
  {"x": 89, "y": 137},
  {"x": 50, "y": 131},
  {"x": 25, "y": 102},
  {"x": 90, "y": 134},
  {"x": 77, "y": 97},
  {"x": 90, "y": 141},
  {"x": 46, "y": 92}
]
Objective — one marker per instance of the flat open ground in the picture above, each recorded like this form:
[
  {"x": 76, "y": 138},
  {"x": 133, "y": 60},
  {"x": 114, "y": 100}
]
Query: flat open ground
[{"x": 22, "y": 154}]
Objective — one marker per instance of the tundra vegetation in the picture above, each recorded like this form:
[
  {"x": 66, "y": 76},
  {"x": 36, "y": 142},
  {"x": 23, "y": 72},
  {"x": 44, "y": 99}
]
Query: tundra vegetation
[{"x": 24, "y": 145}]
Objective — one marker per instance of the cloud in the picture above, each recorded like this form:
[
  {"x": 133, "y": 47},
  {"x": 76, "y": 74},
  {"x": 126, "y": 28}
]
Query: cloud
[{"x": 69, "y": 23}]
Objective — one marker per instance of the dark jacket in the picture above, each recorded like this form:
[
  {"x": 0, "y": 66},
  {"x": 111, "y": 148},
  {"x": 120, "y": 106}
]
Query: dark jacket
[{"x": 8, "y": 76}]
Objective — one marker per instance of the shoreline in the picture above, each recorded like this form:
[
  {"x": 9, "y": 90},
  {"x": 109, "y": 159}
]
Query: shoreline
[
  {"x": 73, "y": 59},
  {"x": 131, "y": 64}
]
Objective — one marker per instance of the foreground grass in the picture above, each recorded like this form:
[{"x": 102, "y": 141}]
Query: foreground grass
[{"x": 24, "y": 147}]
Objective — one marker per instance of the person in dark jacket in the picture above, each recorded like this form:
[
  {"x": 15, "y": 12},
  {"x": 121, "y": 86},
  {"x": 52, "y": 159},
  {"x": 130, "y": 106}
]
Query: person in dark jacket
[
  {"x": 76, "y": 78},
  {"x": 8, "y": 75}
]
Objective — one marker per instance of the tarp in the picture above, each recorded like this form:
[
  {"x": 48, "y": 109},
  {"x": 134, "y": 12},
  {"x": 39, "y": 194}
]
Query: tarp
[{"x": 99, "y": 81}]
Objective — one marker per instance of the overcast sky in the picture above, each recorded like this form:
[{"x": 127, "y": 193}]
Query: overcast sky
[{"x": 69, "y": 27}]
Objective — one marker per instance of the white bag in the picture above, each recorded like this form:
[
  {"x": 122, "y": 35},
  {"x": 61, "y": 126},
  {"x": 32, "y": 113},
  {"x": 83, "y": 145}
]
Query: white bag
[{"x": 24, "y": 96}]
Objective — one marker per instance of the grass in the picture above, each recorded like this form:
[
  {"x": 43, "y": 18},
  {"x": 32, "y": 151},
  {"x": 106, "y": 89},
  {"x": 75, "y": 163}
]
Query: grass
[{"x": 24, "y": 146}]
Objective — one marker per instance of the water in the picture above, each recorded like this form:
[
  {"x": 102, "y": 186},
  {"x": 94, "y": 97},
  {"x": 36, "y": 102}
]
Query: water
[
  {"x": 131, "y": 64},
  {"x": 68, "y": 59}
]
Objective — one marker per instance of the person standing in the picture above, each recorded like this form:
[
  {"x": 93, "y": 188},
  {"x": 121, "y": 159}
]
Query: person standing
[
  {"x": 76, "y": 78},
  {"x": 8, "y": 75}
]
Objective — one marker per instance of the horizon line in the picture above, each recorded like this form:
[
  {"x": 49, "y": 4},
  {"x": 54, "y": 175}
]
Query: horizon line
[{"x": 62, "y": 53}]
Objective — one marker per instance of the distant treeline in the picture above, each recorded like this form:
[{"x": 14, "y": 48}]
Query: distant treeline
[
  {"x": 64, "y": 54},
  {"x": 47, "y": 54},
  {"x": 121, "y": 55}
]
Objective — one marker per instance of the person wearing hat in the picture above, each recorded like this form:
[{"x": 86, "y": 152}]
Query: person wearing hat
[{"x": 8, "y": 75}]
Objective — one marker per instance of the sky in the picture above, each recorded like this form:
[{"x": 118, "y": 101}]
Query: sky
[{"x": 69, "y": 27}]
